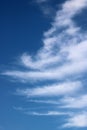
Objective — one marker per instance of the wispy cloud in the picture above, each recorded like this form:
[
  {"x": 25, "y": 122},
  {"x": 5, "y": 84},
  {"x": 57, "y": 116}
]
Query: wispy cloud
[
  {"x": 45, "y": 6},
  {"x": 75, "y": 102},
  {"x": 56, "y": 59},
  {"x": 30, "y": 111},
  {"x": 41, "y": 1},
  {"x": 63, "y": 60},
  {"x": 49, "y": 113},
  {"x": 54, "y": 102},
  {"x": 55, "y": 90}
]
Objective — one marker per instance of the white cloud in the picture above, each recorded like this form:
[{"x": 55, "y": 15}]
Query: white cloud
[
  {"x": 77, "y": 120},
  {"x": 72, "y": 102},
  {"x": 63, "y": 56},
  {"x": 49, "y": 113},
  {"x": 54, "y": 102},
  {"x": 53, "y": 90},
  {"x": 62, "y": 72},
  {"x": 69, "y": 10},
  {"x": 75, "y": 102},
  {"x": 75, "y": 63}
]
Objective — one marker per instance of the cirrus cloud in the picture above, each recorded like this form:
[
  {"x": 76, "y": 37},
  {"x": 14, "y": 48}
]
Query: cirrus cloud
[{"x": 63, "y": 57}]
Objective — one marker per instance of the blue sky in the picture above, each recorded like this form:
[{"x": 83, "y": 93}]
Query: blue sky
[{"x": 43, "y": 66}]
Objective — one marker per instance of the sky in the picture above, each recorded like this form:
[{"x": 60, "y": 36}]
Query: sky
[{"x": 43, "y": 65}]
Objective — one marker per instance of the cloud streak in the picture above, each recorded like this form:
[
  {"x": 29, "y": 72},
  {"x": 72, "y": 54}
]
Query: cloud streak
[
  {"x": 75, "y": 102},
  {"x": 55, "y": 90},
  {"x": 49, "y": 113}
]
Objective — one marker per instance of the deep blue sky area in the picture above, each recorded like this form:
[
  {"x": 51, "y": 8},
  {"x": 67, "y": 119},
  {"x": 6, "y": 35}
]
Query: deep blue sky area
[
  {"x": 22, "y": 25},
  {"x": 21, "y": 29}
]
